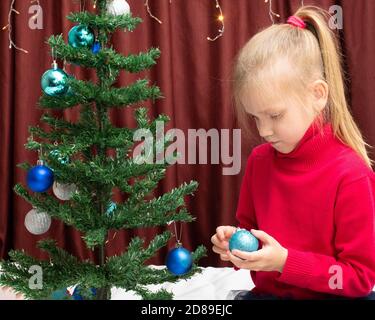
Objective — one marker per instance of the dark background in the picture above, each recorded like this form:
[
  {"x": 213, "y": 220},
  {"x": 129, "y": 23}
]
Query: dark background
[{"x": 194, "y": 76}]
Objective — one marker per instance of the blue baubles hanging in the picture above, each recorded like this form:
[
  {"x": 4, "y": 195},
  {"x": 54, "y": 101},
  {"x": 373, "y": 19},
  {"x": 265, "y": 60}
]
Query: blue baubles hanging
[
  {"x": 78, "y": 294},
  {"x": 96, "y": 47},
  {"x": 54, "y": 82},
  {"x": 81, "y": 36},
  {"x": 243, "y": 240},
  {"x": 40, "y": 177},
  {"x": 111, "y": 208},
  {"x": 179, "y": 261},
  {"x": 61, "y": 294}
]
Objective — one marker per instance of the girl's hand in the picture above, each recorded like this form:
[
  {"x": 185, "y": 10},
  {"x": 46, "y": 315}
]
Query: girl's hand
[
  {"x": 271, "y": 257},
  {"x": 220, "y": 241}
]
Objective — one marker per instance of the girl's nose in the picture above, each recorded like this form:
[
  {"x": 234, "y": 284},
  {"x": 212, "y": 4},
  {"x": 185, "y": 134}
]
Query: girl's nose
[{"x": 265, "y": 132}]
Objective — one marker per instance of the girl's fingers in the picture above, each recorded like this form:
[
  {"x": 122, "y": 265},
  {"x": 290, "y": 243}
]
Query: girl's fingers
[
  {"x": 243, "y": 264},
  {"x": 218, "y": 250},
  {"x": 224, "y": 257},
  {"x": 249, "y": 256},
  {"x": 228, "y": 231},
  {"x": 221, "y": 244},
  {"x": 238, "y": 262},
  {"x": 262, "y": 236},
  {"x": 224, "y": 232},
  {"x": 220, "y": 233}
]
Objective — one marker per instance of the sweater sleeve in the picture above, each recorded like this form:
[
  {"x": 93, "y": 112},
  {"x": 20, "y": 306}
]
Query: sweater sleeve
[
  {"x": 245, "y": 213},
  {"x": 351, "y": 272}
]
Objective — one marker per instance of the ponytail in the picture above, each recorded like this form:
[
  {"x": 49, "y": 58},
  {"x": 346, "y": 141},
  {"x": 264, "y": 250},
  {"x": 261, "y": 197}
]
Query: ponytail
[{"x": 343, "y": 125}]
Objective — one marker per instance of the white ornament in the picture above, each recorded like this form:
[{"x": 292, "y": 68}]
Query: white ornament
[
  {"x": 64, "y": 191},
  {"x": 118, "y": 7},
  {"x": 37, "y": 222}
]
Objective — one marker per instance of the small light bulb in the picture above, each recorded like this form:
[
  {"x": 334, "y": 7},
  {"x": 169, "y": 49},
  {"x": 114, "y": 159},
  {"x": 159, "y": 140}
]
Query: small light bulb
[{"x": 221, "y": 18}]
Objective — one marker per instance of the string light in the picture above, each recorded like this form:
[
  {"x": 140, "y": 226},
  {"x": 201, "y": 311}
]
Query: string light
[
  {"x": 221, "y": 19},
  {"x": 150, "y": 13},
  {"x": 270, "y": 12},
  {"x": 9, "y": 25}
]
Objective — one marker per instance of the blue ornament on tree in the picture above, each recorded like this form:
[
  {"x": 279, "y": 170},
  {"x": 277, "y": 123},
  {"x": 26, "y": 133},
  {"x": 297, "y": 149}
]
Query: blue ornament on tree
[
  {"x": 96, "y": 47},
  {"x": 54, "y": 82},
  {"x": 61, "y": 294},
  {"x": 243, "y": 240},
  {"x": 81, "y": 37},
  {"x": 112, "y": 207},
  {"x": 79, "y": 294},
  {"x": 40, "y": 178},
  {"x": 179, "y": 261}
]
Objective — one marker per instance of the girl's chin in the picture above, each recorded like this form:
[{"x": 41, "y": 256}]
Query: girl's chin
[
  {"x": 279, "y": 147},
  {"x": 282, "y": 149}
]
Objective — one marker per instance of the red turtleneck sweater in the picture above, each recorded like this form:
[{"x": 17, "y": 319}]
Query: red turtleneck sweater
[{"x": 318, "y": 202}]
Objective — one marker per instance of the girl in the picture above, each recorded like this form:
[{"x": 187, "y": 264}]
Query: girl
[{"x": 308, "y": 193}]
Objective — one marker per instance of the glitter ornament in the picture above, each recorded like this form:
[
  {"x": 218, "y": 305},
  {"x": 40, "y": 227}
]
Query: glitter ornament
[
  {"x": 81, "y": 37},
  {"x": 243, "y": 240}
]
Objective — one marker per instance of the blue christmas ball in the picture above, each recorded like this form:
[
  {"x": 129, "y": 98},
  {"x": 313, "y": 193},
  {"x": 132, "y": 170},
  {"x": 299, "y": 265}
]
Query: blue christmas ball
[
  {"x": 179, "y": 261},
  {"x": 54, "y": 82},
  {"x": 61, "y": 294},
  {"x": 96, "y": 47},
  {"x": 39, "y": 178},
  {"x": 111, "y": 208},
  {"x": 243, "y": 240},
  {"x": 81, "y": 37},
  {"x": 78, "y": 294}
]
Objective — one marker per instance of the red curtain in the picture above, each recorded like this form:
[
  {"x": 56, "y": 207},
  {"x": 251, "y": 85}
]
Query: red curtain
[{"x": 194, "y": 75}]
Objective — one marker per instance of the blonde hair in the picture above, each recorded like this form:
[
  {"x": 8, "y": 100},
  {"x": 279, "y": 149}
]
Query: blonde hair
[{"x": 316, "y": 54}]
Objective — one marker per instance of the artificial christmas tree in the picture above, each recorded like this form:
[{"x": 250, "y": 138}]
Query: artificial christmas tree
[{"x": 86, "y": 160}]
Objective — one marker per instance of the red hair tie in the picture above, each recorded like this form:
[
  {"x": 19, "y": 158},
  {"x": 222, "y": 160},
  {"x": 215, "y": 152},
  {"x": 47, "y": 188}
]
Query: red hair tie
[{"x": 297, "y": 22}]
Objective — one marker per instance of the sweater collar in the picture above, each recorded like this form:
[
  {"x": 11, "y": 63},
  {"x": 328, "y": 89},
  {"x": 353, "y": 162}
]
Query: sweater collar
[{"x": 310, "y": 150}]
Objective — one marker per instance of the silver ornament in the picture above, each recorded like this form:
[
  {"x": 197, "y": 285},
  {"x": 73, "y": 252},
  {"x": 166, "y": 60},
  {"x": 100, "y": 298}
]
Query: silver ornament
[
  {"x": 118, "y": 7},
  {"x": 64, "y": 191},
  {"x": 37, "y": 222}
]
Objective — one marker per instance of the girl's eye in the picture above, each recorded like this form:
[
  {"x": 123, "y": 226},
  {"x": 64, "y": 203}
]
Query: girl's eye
[{"x": 276, "y": 116}]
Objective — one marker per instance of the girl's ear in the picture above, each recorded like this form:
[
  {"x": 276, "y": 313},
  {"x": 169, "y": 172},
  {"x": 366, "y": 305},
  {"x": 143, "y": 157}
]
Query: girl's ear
[{"x": 320, "y": 94}]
